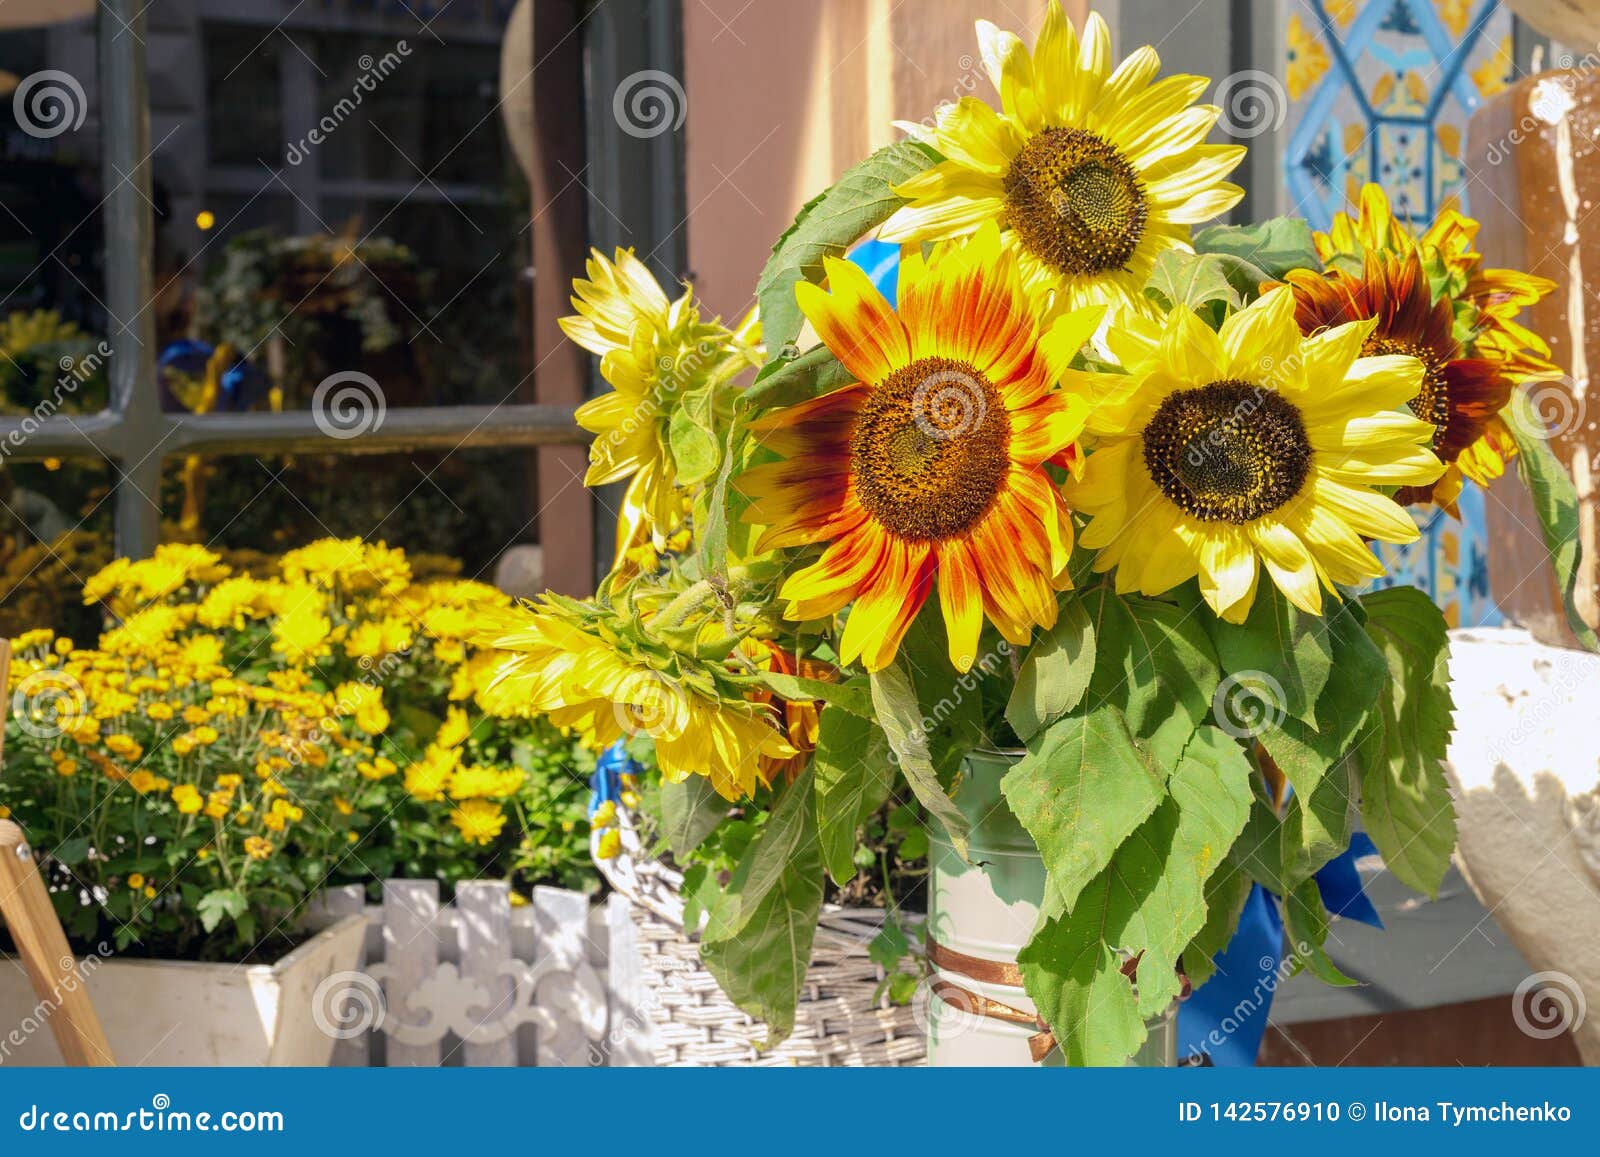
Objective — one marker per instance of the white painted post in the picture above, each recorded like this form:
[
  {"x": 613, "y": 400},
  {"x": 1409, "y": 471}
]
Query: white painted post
[
  {"x": 411, "y": 954},
  {"x": 335, "y": 904},
  {"x": 483, "y": 923},
  {"x": 562, "y": 918},
  {"x": 630, "y": 1033}
]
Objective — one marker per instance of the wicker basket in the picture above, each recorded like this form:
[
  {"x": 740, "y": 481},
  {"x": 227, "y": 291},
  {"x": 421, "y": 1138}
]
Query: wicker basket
[{"x": 841, "y": 1018}]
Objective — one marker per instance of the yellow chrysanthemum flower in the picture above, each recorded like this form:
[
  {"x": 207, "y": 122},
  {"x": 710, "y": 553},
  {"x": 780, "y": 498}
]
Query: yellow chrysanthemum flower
[
  {"x": 478, "y": 820},
  {"x": 1092, "y": 171},
  {"x": 1221, "y": 451},
  {"x": 930, "y": 469},
  {"x": 559, "y": 664}
]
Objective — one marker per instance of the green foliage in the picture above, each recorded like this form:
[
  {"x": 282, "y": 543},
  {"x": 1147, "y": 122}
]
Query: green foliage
[
  {"x": 1148, "y": 904},
  {"x": 854, "y": 776},
  {"x": 860, "y": 200},
  {"x": 757, "y": 942},
  {"x": 1053, "y": 678},
  {"x": 1555, "y": 501},
  {"x": 1193, "y": 281},
  {"x": 1081, "y": 790},
  {"x": 894, "y": 696},
  {"x": 1405, "y": 798},
  {"x": 1273, "y": 247}
]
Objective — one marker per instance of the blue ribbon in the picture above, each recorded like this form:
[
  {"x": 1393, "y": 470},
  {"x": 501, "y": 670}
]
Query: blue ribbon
[
  {"x": 241, "y": 383},
  {"x": 606, "y": 781},
  {"x": 1226, "y": 1018}
]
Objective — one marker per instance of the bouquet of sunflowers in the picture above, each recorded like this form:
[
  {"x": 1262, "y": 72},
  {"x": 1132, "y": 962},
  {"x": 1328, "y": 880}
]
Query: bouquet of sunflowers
[
  {"x": 1095, "y": 491},
  {"x": 237, "y": 740}
]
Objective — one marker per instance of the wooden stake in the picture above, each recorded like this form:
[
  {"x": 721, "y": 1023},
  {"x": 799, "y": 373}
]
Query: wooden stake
[{"x": 41, "y": 944}]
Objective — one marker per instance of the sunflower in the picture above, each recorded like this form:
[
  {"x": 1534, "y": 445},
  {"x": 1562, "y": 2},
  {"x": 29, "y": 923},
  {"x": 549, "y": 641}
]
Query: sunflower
[
  {"x": 654, "y": 353},
  {"x": 1222, "y": 450},
  {"x": 1092, "y": 172},
  {"x": 1459, "y": 397},
  {"x": 1484, "y": 301},
  {"x": 930, "y": 466},
  {"x": 566, "y": 661},
  {"x": 802, "y": 718}
]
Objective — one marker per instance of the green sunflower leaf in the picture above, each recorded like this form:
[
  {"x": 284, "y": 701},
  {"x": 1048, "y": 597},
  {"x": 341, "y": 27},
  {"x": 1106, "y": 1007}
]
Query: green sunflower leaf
[
  {"x": 827, "y": 226},
  {"x": 1190, "y": 279},
  {"x": 1555, "y": 501},
  {"x": 1405, "y": 797},
  {"x": 1306, "y": 919},
  {"x": 757, "y": 942},
  {"x": 1152, "y": 660},
  {"x": 854, "y": 776},
  {"x": 690, "y": 811},
  {"x": 1081, "y": 790},
  {"x": 1277, "y": 661},
  {"x": 1275, "y": 246},
  {"x": 1226, "y": 893},
  {"x": 1148, "y": 903},
  {"x": 899, "y": 713},
  {"x": 1056, "y": 673}
]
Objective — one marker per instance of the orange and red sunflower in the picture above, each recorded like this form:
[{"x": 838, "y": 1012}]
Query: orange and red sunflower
[
  {"x": 928, "y": 470},
  {"x": 1461, "y": 396},
  {"x": 1485, "y": 302}
]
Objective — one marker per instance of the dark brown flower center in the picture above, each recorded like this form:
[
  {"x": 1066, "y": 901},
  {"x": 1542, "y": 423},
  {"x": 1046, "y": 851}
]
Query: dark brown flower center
[
  {"x": 1227, "y": 452},
  {"x": 1432, "y": 404},
  {"x": 1076, "y": 202},
  {"x": 931, "y": 449}
]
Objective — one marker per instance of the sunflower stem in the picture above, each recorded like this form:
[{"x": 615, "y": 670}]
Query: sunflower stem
[{"x": 686, "y": 603}]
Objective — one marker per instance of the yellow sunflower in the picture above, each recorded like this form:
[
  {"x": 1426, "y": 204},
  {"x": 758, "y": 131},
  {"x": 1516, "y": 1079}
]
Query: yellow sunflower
[
  {"x": 1093, "y": 172},
  {"x": 1224, "y": 450},
  {"x": 560, "y": 659},
  {"x": 653, "y": 352},
  {"x": 930, "y": 467},
  {"x": 1486, "y": 302}
]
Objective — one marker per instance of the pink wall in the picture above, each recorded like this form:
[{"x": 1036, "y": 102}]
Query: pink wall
[{"x": 783, "y": 95}]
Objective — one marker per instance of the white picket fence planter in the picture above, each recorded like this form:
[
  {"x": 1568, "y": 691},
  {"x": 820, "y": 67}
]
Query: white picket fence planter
[{"x": 480, "y": 983}]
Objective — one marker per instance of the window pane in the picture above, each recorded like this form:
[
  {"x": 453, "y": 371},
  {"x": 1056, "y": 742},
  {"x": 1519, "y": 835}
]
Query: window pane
[{"x": 244, "y": 99}]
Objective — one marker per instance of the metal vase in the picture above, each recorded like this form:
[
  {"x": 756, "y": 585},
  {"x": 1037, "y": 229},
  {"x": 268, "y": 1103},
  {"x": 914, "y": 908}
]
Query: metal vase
[{"x": 987, "y": 909}]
